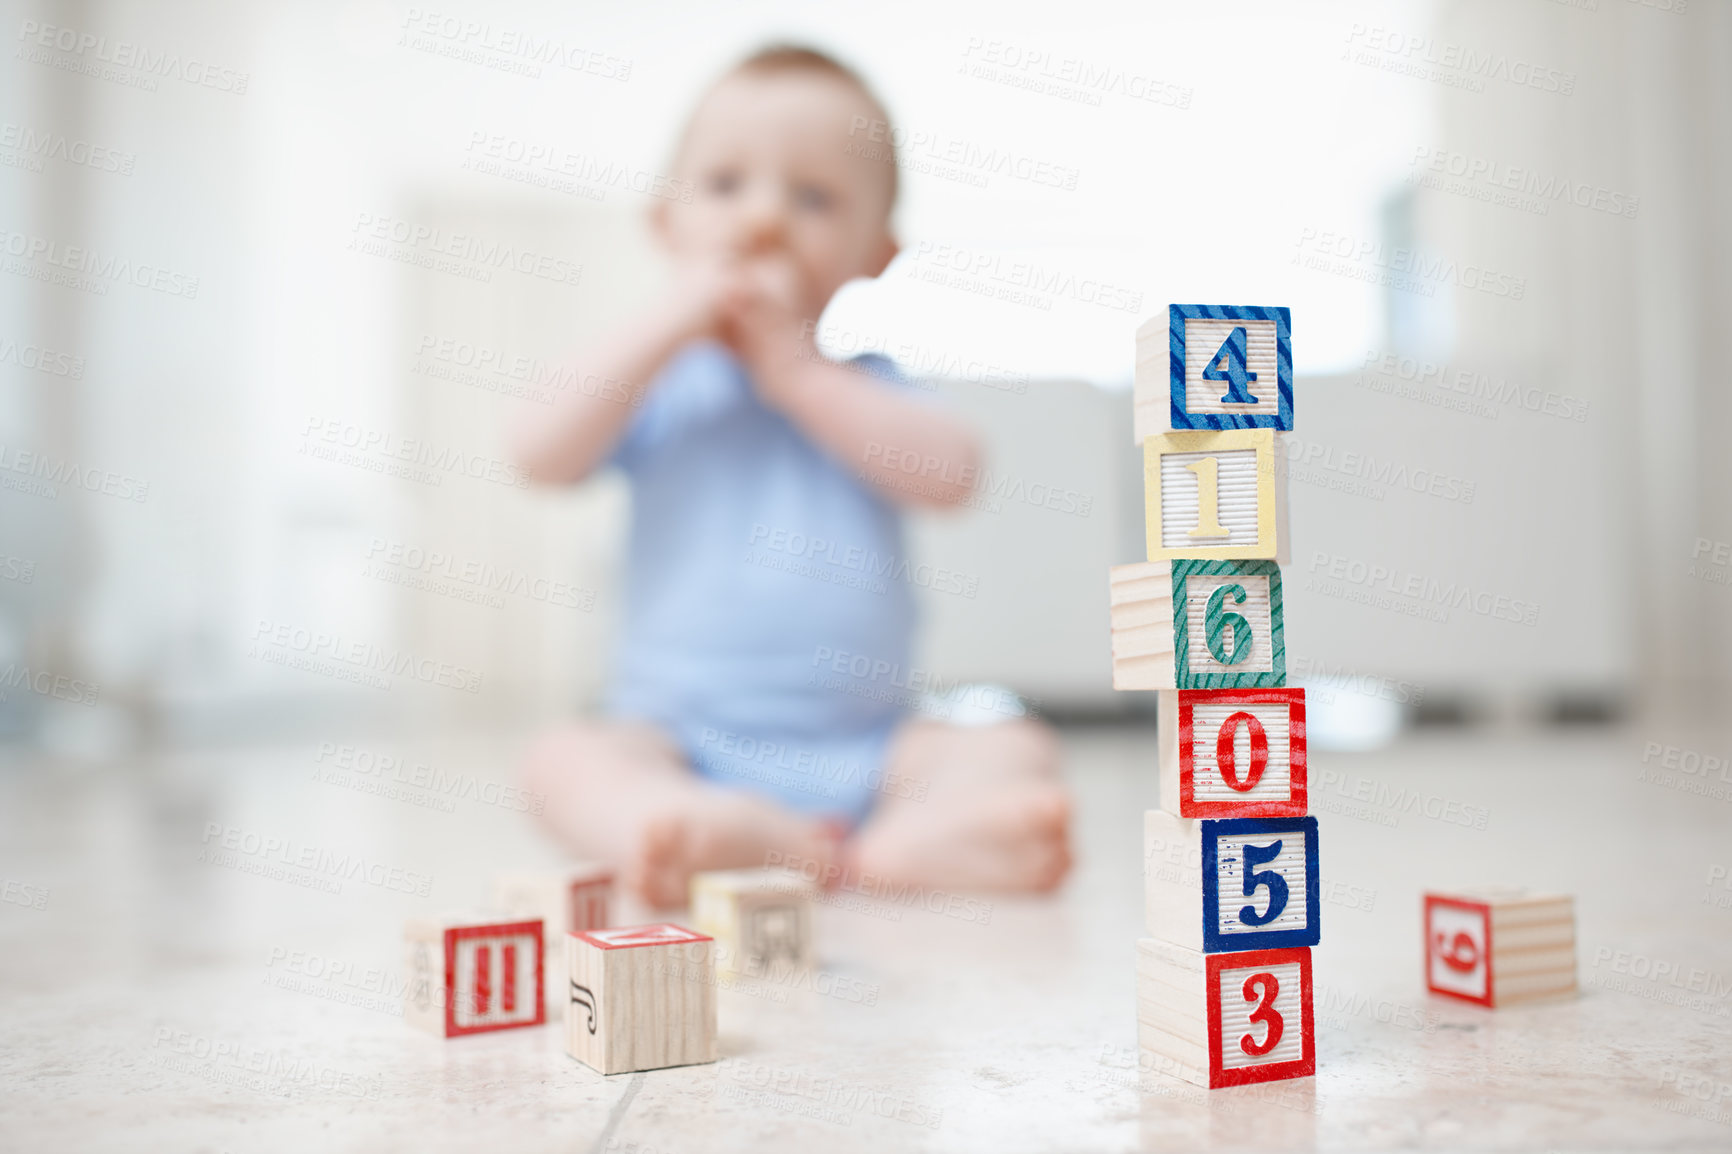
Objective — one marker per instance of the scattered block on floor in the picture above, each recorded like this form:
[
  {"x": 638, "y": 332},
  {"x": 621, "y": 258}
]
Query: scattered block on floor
[
  {"x": 1500, "y": 945},
  {"x": 469, "y": 973},
  {"x": 1244, "y": 883},
  {"x": 1197, "y": 624},
  {"x": 1225, "y": 1019},
  {"x": 761, "y": 919},
  {"x": 1233, "y": 752},
  {"x": 1214, "y": 367},
  {"x": 567, "y": 898},
  {"x": 640, "y": 998},
  {"x": 1214, "y": 494}
]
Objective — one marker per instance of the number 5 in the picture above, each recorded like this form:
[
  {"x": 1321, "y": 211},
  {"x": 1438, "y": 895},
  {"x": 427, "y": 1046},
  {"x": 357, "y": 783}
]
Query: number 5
[{"x": 1254, "y": 879}]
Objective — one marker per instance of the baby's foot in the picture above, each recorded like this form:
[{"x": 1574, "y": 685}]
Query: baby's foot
[
  {"x": 716, "y": 829},
  {"x": 1013, "y": 839}
]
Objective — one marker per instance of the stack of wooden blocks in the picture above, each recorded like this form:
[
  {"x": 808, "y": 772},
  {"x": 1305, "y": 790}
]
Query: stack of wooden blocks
[{"x": 1224, "y": 988}]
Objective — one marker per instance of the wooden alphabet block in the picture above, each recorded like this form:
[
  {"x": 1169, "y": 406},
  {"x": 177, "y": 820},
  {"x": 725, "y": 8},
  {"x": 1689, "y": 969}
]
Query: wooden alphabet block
[
  {"x": 1188, "y": 624},
  {"x": 1226, "y": 1019},
  {"x": 1214, "y": 367},
  {"x": 566, "y": 898},
  {"x": 760, "y": 918},
  {"x": 1496, "y": 946},
  {"x": 1241, "y": 883},
  {"x": 1233, "y": 752},
  {"x": 471, "y": 973},
  {"x": 1214, "y": 495},
  {"x": 640, "y": 998}
]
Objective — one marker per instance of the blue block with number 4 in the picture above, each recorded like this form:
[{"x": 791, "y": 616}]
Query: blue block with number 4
[
  {"x": 1230, "y": 367},
  {"x": 1231, "y": 884}
]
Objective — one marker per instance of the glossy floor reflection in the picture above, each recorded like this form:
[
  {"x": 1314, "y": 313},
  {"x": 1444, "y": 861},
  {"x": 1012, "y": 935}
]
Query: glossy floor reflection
[{"x": 159, "y": 991}]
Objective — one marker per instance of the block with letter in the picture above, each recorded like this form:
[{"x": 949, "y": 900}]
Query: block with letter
[
  {"x": 640, "y": 998},
  {"x": 761, "y": 919},
  {"x": 1226, "y": 1019},
  {"x": 1499, "y": 945},
  {"x": 1214, "y": 494},
  {"x": 1214, "y": 367},
  {"x": 1243, "y": 883},
  {"x": 471, "y": 973},
  {"x": 1233, "y": 752},
  {"x": 1197, "y": 624},
  {"x": 567, "y": 898}
]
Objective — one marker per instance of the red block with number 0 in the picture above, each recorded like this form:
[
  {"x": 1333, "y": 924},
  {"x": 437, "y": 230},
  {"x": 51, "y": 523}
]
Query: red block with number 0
[{"x": 1233, "y": 752}]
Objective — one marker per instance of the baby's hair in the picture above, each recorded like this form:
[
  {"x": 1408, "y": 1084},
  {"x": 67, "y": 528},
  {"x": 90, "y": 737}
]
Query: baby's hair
[{"x": 777, "y": 59}]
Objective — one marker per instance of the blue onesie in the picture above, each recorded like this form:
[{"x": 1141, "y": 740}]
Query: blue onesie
[{"x": 757, "y": 566}]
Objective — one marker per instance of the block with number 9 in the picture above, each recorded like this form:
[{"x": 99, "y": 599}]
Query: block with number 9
[{"x": 1500, "y": 945}]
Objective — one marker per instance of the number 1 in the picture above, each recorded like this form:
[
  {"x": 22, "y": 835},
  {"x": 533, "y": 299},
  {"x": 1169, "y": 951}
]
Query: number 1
[{"x": 1208, "y": 472}]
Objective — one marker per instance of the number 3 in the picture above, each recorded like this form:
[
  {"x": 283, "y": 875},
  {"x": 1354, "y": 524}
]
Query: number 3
[
  {"x": 1255, "y": 879},
  {"x": 1265, "y": 1012}
]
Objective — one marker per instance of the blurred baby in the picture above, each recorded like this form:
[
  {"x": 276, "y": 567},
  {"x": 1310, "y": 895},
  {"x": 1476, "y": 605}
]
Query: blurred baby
[{"x": 738, "y": 723}]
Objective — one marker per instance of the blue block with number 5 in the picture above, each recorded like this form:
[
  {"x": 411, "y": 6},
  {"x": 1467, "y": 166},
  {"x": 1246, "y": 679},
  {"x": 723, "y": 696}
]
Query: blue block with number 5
[{"x": 1231, "y": 884}]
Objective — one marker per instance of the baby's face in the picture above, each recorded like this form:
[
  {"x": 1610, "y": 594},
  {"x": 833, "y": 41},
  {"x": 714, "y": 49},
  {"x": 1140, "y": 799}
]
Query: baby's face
[{"x": 773, "y": 174}]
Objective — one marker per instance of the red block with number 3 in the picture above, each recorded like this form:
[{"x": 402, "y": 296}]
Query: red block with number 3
[
  {"x": 1261, "y": 1027},
  {"x": 1233, "y": 752}
]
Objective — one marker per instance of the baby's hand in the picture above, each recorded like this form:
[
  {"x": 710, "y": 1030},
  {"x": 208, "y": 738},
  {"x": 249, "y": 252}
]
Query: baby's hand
[
  {"x": 699, "y": 295},
  {"x": 763, "y": 310}
]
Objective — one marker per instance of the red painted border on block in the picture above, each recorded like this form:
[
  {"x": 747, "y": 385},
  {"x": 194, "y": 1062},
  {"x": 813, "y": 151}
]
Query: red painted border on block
[
  {"x": 685, "y": 936},
  {"x": 1301, "y": 1067},
  {"x": 1298, "y": 800},
  {"x": 1483, "y": 909},
  {"x": 492, "y": 930}
]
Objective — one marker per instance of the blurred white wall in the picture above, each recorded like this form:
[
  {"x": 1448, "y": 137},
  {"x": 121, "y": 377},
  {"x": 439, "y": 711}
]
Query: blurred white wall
[{"x": 1125, "y": 157}]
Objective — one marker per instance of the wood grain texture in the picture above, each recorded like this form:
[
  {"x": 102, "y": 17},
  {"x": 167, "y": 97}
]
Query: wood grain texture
[
  {"x": 1140, "y": 609},
  {"x": 640, "y": 1003}
]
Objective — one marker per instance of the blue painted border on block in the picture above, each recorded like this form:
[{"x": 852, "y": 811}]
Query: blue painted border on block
[
  {"x": 1215, "y": 942},
  {"x": 1282, "y": 419},
  {"x": 1183, "y": 678}
]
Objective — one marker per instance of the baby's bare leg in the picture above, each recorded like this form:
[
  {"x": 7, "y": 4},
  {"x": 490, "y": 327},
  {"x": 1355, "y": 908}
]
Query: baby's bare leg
[
  {"x": 995, "y": 815},
  {"x": 621, "y": 792}
]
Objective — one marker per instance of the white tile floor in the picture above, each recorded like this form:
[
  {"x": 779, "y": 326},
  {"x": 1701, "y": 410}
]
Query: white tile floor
[{"x": 161, "y": 1001}]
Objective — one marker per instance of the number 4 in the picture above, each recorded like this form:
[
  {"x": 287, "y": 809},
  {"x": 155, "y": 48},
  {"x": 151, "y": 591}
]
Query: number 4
[{"x": 1230, "y": 364}]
